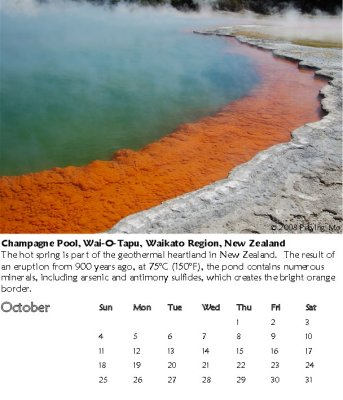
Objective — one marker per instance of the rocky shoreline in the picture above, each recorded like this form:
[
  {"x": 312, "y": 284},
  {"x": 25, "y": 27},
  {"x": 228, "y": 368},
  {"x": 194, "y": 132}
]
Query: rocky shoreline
[{"x": 294, "y": 187}]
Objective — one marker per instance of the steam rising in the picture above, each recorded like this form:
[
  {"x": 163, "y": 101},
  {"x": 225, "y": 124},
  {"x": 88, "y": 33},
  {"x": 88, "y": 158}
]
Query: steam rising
[{"x": 290, "y": 24}]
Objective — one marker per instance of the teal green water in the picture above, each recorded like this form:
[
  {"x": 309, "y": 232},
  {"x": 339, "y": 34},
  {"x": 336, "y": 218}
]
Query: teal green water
[{"x": 79, "y": 82}]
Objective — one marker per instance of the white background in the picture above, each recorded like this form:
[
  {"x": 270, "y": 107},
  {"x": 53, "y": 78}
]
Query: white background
[{"x": 55, "y": 355}]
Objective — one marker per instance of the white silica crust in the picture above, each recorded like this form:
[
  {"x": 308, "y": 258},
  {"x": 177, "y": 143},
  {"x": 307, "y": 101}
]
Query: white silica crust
[{"x": 294, "y": 187}]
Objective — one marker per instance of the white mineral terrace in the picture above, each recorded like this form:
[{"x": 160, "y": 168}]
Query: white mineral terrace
[{"x": 296, "y": 183}]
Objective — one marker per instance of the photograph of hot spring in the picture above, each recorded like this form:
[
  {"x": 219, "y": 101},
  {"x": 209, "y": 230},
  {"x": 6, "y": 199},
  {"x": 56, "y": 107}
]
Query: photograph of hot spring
[{"x": 171, "y": 116}]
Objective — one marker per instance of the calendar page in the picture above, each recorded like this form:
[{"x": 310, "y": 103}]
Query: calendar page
[
  {"x": 171, "y": 200},
  {"x": 171, "y": 316}
]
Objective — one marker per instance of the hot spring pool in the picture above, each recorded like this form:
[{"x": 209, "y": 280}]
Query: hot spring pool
[{"x": 79, "y": 82}]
